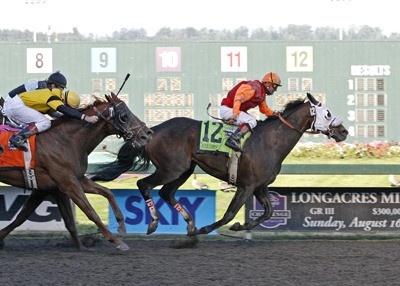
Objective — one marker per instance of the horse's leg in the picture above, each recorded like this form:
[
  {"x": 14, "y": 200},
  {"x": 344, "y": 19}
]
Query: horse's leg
[
  {"x": 167, "y": 192},
  {"x": 145, "y": 186},
  {"x": 238, "y": 200},
  {"x": 65, "y": 207},
  {"x": 73, "y": 189},
  {"x": 33, "y": 201},
  {"x": 92, "y": 187},
  {"x": 262, "y": 196}
]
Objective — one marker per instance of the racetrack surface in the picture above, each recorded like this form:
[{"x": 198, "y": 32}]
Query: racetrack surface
[{"x": 225, "y": 261}]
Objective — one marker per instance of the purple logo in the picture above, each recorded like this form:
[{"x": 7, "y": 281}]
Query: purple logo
[{"x": 280, "y": 214}]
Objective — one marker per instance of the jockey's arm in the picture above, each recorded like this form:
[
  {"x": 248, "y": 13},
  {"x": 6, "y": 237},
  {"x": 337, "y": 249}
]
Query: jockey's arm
[
  {"x": 17, "y": 90},
  {"x": 28, "y": 87},
  {"x": 264, "y": 108},
  {"x": 69, "y": 111},
  {"x": 243, "y": 94}
]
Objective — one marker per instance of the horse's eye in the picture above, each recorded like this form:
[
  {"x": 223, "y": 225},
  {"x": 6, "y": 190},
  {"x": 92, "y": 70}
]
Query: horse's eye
[{"x": 123, "y": 117}]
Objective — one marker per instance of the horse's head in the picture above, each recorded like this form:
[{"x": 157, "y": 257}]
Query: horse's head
[
  {"x": 124, "y": 122},
  {"x": 325, "y": 122}
]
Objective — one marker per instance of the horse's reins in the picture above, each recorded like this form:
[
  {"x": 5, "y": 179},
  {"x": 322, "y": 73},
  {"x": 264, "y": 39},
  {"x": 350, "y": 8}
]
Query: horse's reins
[
  {"x": 292, "y": 127},
  {"x": 281, "y": 118},
  {"x": 128, "y": 134},
  {"x": 287, "y": 123}
]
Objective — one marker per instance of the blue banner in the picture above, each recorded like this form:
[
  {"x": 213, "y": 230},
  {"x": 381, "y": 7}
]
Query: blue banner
[{"x": 201, "y": 205}]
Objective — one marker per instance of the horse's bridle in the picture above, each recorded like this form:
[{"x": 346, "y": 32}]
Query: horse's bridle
[
  {"x": 118, "y": 124},
  {"x": 312, "y": 114}
]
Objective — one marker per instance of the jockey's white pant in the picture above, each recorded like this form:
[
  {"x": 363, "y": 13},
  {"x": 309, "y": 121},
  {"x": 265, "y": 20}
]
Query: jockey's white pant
[
  {"x": 16, "y": 109},
  {"x": 243, "y": 117}
]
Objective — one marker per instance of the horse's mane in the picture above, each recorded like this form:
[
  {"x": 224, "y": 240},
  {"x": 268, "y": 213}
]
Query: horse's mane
[
  {"x": 95, "y": 103},
  {"x": 293, "y": 104},
  {"x": 288, "y": 107}
]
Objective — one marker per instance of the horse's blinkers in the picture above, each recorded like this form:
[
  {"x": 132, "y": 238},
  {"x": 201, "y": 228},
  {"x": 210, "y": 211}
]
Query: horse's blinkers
[{"x": 327, "y": 124}]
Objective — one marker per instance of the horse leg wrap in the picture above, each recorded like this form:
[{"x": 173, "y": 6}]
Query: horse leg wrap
[{"x": 233, "y": 167}]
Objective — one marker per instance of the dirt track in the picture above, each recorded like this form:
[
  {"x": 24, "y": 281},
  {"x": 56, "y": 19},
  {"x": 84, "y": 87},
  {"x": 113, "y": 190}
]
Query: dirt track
[{"x": 212, "y": 262}]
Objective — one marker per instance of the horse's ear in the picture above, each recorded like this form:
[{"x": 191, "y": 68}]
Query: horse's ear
[
  {"x": 312, "y": 99},
  {"x": 108, "y": 98}
]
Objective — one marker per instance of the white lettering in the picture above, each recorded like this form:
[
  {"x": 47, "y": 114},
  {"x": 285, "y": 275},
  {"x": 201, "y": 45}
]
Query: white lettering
[
  {"x": 372, "y": 70},
  {"x": 367, "y": 225},
  {"x": 337, "y": 224},
  {"x": 336, "y": 198},
  {"x": 392, "y": 198}
]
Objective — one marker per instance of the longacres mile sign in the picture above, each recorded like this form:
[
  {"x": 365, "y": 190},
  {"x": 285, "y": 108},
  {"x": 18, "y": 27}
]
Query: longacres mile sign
[{"x": 330, "y": 209}]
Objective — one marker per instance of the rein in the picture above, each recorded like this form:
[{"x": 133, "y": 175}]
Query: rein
[
  {"x": 284, "y": 121},
  {"x": 127, "y": 134},
  {"x": 288, "y": 124}
]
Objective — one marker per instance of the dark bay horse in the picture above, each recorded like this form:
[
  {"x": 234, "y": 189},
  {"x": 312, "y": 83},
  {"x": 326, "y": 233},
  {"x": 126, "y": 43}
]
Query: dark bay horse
[
  {"x": 174, "y": 152},
  {"x": 62, "y": 160}
]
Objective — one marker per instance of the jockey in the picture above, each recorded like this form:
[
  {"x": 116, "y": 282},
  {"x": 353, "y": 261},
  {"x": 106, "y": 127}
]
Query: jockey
[
  {"x": 242, "y": 97},
  {"x": 29, "y": 107},
  {"x": 55, "y": 80}
]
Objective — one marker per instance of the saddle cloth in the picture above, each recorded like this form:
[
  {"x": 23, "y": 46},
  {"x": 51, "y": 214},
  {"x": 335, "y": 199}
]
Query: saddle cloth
[
  {"x": 213, "y": 136},
  {"x": 14, "y": 158}
]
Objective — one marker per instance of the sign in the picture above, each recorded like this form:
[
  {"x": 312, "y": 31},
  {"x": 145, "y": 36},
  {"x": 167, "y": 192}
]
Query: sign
[
  {"x": 39, "y": 60},
  {"x": 168, "y": 59},
  {"x": 104, "y": 60},
  {"x": 234, "y": 59},
  {"x": 45, "y": 218},
  {"x": 200, "y": 204},
  {"x": 330, "y": 209}
]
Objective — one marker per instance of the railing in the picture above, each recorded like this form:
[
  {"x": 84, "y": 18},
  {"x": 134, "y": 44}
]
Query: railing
[
  {"x": 341, "y": 169},
  {"x": 321, "y": 169}
]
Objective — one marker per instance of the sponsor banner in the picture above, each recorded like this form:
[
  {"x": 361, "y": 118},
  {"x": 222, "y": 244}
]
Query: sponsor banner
[
  {"x": 45, "y": 218},
  {"x": 201, "y": 204},
  {"x": 329, "y": 209}
]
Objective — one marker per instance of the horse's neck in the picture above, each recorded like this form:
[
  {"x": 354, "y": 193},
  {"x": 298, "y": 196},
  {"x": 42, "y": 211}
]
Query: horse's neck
[
  {"x": 85, "y": 136},
  {"x": 301, "y": 121}
]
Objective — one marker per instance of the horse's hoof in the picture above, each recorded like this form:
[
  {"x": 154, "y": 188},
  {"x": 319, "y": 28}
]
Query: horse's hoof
[
  {"x": 123, "y": 246},
  {"x": 152, "y": 227},
  {"x": 122, "y": 230},
  {"x": 235, "y": 227},
  {"x": 192, "y": 232}
]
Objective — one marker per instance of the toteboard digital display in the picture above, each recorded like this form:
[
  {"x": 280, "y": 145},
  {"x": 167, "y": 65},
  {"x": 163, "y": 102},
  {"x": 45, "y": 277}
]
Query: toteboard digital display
[{"x": 356, "y": 79}]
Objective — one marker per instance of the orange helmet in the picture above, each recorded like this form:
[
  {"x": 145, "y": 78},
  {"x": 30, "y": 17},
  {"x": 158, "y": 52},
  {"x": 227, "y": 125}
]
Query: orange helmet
[{"x": 272, "y": 78}]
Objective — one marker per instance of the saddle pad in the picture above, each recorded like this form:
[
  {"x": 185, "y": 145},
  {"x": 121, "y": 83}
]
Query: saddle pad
[
  {"x": 15, "y": 158},
  {"x": 213, "y": 136}
]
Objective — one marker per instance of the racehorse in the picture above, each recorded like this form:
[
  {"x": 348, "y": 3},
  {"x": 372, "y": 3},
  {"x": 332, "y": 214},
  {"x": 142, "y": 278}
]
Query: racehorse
[
  {"x": 62, "y": 160},
  {"x": 174, "y": 151}
]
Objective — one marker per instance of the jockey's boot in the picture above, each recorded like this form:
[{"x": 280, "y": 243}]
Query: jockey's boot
[
  {"x": 234, "y": 140},
  {"x": 18, "y": 140}
]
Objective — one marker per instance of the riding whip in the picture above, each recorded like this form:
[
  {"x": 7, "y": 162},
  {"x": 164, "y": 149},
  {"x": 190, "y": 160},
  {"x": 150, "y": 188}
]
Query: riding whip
[{"x": 126, "y": 78}]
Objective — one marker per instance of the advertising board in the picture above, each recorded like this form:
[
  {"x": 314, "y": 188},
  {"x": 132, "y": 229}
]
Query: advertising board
[
  {"x": 329, "y": 209},
  {"x": 201, "y": 204}
]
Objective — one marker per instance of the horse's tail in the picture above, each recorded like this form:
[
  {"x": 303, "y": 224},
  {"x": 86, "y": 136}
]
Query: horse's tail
[{"x": 129, "y": 158}]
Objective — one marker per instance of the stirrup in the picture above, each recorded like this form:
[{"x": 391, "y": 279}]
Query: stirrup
[
  {"x": 16, "y": 143},
  {"x": 233, "y": 145}
]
